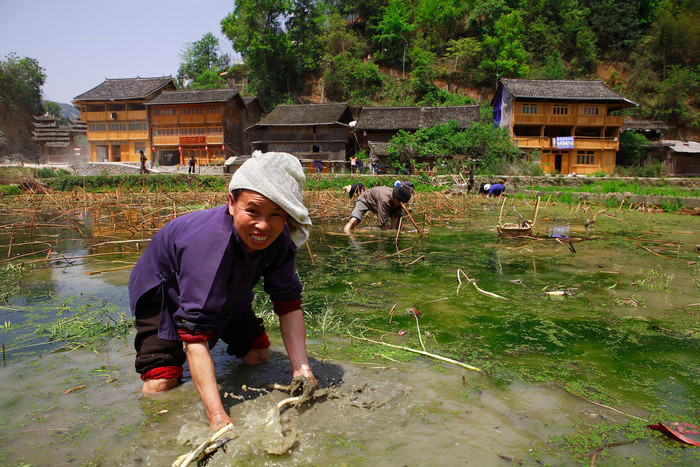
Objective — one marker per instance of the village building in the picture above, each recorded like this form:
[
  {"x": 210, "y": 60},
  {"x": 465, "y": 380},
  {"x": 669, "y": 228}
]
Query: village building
[
  {"x": 318, "y": 134},
  {"x": 205, "y": 123},
  {"x": 116, "y": 117},
  {"x": 377, "y": 125},
  {"x": 681, "y": 158},
  {"x": 61, "y": 143},
  {"x": 569, "y": 126}
]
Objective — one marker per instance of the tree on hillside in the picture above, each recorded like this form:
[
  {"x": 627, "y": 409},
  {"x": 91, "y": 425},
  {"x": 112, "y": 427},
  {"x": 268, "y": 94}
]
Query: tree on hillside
[
  {"x": 53, "y": 109},
  {"x": 276, "y": 47},
  {"x": 504, "y": 53},
  {"x": 200, "y": 62},
  {"x": 394, "y": 32},
  {"x": 305, "y": 29},
  {"x": 21, "y": 80}
]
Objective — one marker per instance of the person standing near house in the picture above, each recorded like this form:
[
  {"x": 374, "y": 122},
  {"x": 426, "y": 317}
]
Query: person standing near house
[
  {"x": 353, "y": 164},
  {"x": 142, "y": 158},
  {"x": 190, "y": 164},
  {"x": 193, "y": 285},
  {"x": 384, "y": 201},
  {"x": 374, "y": 166}
]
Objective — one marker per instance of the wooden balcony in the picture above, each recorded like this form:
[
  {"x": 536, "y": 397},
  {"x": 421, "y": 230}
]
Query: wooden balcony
[
  {"x": 117, "y": 135},
  {"x": 164, "y": 120},
  {"x": 121, "y": 116},
  {"x": 166, "y": 140},
  {"x": 534, "y": 142}
]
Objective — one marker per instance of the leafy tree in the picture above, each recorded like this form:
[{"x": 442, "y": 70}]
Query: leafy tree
[
  {"x": 616, "y": 24},
  {"x": 483, "y": 14},
  {"x": 52, "y": 108},
  {"x": 203, "y": 59},
  {"x": 633, "y": 148},
  {"x": 394, "y": 31},
  {"x": 423, "y": 73},
  {"x": 461, "y": 56},
  {"x": 348, "y": 78},
  {"x": 305, "y": 27},
  {"x": 280, "y": 40},
  {"x": 21, "y": 80},
  {"x": 676, "y": 33},
  {"x": 679, "y": 97},
  {"x": 506, "y": 54},
  {"x": 479, "y": 141},
  {"x": 439, "y": 20}
]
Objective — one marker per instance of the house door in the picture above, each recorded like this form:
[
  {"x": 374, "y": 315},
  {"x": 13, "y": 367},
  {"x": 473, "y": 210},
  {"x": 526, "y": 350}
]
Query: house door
[
  {"x": 102, "y": 154},
  {"x": 116, "y": 153},
  {"x": 557, "y": 163}
]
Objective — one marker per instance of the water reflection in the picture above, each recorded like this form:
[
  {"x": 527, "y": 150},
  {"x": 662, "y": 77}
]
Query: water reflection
[{"x": 388, "y": 411}]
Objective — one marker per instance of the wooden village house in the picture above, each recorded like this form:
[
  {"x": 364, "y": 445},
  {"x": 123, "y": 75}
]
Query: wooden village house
[
  {"x": 204, "y": 123},
  {"x": 117, "y": 119},
  {"x": 61, "y": 143},
  {"x": 126, "y": 116},
  {"x": 377, "y": 125},
  {"x": 318, "y": 134},
  {"x": 573, "y": 125}
]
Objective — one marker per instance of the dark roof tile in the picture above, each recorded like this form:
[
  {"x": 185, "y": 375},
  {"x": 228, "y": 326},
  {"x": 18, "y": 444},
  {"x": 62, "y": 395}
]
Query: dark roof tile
[
  {"x": 125, "y": 89},
  {"x": 308, "y": 114},
  {"x": 194, "y": 96},
  {"x": 581, "y": 90}
]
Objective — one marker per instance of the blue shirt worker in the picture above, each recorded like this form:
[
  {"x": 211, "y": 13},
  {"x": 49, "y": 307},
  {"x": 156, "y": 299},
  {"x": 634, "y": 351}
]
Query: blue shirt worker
[
  {"x": 193, "y": 284},
  {"x": 495, "y": 189}
]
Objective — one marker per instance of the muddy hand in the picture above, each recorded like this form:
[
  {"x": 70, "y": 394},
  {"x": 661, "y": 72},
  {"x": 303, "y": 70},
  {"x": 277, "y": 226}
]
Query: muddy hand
[{"x": 302, "y": 386}]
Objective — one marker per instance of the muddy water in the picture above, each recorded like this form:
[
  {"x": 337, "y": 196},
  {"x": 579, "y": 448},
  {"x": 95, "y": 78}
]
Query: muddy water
[{"x": 623, "y": 333}]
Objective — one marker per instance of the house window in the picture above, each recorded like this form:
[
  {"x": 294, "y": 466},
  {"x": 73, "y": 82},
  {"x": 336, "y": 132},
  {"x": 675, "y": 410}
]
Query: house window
[
  {"x": 590, "y": 110},
  {"x": 139, "y": 147},
  {"x": 137, "y": 126},
  {"x": 560, "y": 109},
  {"x": 316, "y": 147},
  {"x": 530, "y": 109},
  {"x": 585, "y": 158}
]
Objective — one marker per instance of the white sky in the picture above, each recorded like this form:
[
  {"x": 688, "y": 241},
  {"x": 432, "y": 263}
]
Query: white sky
[{"x": 79, "y": 43}]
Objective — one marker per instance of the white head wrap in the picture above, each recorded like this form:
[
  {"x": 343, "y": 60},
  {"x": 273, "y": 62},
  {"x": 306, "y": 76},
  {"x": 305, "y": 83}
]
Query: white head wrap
[
  {"x": 487, "y": 186},
  {"x": 280, "y": 178}
]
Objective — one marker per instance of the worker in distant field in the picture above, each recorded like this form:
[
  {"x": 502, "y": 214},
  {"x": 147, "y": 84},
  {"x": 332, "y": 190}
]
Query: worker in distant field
[
  {"x": 494, "y": 189},
  {"x": 354, "y": 189},
  {"x": 385, "y": 202},
  {"x": 193, "y": 284}
]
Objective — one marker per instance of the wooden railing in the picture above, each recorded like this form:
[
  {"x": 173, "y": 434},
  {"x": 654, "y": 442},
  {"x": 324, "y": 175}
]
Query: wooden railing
[
  {"x": 120, "y": 116},
  {"x": 579, "y": 142}
]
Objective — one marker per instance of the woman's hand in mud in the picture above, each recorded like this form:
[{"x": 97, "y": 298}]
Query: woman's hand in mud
[{"x": 304, "y": 384}]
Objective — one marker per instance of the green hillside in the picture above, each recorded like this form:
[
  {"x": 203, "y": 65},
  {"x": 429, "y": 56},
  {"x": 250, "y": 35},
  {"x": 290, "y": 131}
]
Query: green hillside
[{"x": 441, "y": 52}]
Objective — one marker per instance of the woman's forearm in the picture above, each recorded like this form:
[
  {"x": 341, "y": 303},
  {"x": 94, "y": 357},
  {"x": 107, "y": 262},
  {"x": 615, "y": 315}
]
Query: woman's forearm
[
  {"x": 204, "y": 377},
  {"x": 293, "y": 332}
]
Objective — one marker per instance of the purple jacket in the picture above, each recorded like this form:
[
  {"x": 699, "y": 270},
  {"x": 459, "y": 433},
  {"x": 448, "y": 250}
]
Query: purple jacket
[{"x": 204, "y": 276}]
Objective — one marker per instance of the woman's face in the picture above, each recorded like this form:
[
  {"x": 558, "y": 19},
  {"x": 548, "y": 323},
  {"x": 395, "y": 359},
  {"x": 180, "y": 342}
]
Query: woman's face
[{"x": 257, "y": 220}]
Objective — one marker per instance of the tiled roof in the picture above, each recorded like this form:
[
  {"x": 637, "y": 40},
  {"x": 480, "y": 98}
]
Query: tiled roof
[
  {"x": 194, "y": 96},
  {"x": 413, "y": 118},
  {"x": 379, "y": 149},
  {"x": 581, "y": 90},
  {"x": 308, "y": 114},
  {"x": 125, "y": 89},
  {"x": 632, "y": 124}
]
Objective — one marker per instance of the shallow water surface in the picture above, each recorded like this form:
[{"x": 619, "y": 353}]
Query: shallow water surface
[{"x": 618, "y": 329}]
